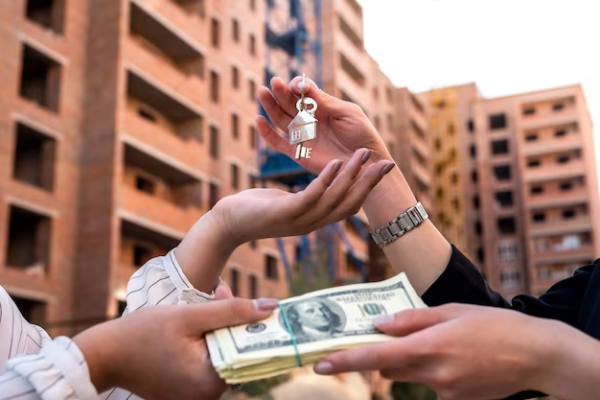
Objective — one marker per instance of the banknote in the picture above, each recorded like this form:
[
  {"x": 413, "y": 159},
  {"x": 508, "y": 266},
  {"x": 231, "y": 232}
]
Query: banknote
[{"x": 306, "y": 328}]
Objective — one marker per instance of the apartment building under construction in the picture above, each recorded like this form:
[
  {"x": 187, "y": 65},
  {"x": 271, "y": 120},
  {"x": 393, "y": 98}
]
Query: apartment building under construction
[
  {"x": 516, "y": 182},
  {"x": 123, "y": 122}
]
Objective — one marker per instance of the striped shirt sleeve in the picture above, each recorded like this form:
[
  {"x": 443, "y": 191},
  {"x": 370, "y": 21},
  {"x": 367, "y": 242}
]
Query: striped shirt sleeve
[
  {"x": 32, "y": 366},
  {"x": 160, "y": 281}
]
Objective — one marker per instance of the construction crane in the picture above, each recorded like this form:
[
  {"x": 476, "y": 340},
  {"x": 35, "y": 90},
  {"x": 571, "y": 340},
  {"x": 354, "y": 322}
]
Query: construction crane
[{"x": 298, "y": 39}]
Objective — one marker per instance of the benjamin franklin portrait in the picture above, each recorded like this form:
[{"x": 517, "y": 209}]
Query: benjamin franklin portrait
[{"x": 315, "y": 319}]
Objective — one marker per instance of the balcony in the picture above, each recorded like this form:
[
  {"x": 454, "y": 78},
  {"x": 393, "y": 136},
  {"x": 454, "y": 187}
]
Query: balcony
[
  {"x": 352, "y": 70},
  {"x": 167, "y": 37},
  {"x": 175, "y": 18},
  {"x": 349, "y": 90},
  {"x": 536, "y": 122},
  {"x": 421, "y": 173},
  {"x": 553, "y": 172},
  {"x": 165, "y": 47},
  {"x": 159, "y": 191},
  {"x": 352, "y": 13},
  {"x": 29, "y": 241},
  {"x": 418, "y": 122},
  {"x": 572, "y": 142},
  {"x": 186, "y": 81},
  {"x": 558, "y": 199},
  {"x": 419, "y": 143},
  {"x": 175, "y": 108},
  {"x": 160, "y": 138},
  {"x": 559, "y": 227},
  {"x": 552, "y": 256},
  {"x": 34, "y": 158},
  {"x": 40, "y": 79},
  {"x": 47, "y": 14},
  {"x": 355, "y": 55},
  {"x": 350, "y": 33},
  {"x": 164, "y": 215},
  {"x": 140, "y": 243}
]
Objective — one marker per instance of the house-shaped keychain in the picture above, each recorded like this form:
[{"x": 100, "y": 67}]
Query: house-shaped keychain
[{"x": 303, "y": 128}]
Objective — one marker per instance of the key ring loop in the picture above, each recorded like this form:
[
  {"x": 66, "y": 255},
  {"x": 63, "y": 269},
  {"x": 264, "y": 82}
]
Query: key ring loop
[
  {"x": 303, "y": 90},
  {"x": 302, "y": 103}
]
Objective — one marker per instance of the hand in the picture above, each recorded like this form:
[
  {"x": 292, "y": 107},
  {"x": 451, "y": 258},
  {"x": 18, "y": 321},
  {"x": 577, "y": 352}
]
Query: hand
[
  {"x": 460, "y": 351},
  {"x": 343, "y": 127},
  {"x": 160, "y": 352},
  {"x": 331, "y": 197},
  {"x": 338, "y": 192}
]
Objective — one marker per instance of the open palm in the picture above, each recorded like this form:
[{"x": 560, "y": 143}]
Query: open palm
[
  {"x": 335, "y": 194},
  {"x": 342, "y": 129}
]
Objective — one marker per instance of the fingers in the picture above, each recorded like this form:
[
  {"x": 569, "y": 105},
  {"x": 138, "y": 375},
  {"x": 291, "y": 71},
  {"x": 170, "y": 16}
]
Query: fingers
[
  {"x": 287, "y": 100},
  {"x": 274, "y": 109},
  {"x": 272, "y": 138},
  {"x": 327, "y": 103},
  {"x": 207, "y": 317},
  {"x": 406, "y": 322},
  {"x": 345, "y": 179},
  {"x": 223, "y": 292},
  {"x": 350, "y": 202},
  {"x": 330, "y": 198},
  {"x": 395, "y": 354},
  {"x": 304, "y": 201}
]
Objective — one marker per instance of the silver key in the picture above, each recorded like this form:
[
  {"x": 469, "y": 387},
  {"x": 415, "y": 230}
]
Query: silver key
[{"x": 304, "y": 125}]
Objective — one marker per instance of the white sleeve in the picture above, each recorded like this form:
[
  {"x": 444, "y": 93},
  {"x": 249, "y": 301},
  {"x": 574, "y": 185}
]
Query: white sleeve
[
  {"x": 17, "y": 336},
  {"x": 160, "y": 281},
  {"x": 32, "y": 366},
  {"x": 57, "y": 372}
]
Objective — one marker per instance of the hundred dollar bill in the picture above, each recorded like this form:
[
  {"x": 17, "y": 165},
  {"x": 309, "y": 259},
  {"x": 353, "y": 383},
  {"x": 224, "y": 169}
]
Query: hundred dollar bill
[{"x": 315, "y": 324}]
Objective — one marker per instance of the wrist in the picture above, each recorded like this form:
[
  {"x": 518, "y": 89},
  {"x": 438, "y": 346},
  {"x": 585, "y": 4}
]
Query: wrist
[
  {"x": 391, "y": 197},
  {"x": 204, "y": 251},
  {"x": 572, "y": 356},
  {"x": 97, "y": 344}
]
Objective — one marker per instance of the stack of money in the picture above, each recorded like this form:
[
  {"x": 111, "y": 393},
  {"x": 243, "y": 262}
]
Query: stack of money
[{"x": 307, "y": 328}]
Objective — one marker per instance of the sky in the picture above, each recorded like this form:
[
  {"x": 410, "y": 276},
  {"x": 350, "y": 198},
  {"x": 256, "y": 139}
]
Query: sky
[{"x": 505, "y": 46}]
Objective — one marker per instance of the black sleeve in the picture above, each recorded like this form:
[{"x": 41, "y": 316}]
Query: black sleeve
[{"x": 462, "y": 282}]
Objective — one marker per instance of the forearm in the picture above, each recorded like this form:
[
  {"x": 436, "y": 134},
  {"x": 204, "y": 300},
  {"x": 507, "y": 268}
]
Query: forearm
[
  {"x": 422, "y": 254},
  {"x": 575, "y": 370},
  {"x": 204, "y": 252}
]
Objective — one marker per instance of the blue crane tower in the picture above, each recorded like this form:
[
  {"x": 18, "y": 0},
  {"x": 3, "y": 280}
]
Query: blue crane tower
[{"x": 300, "y": 39}]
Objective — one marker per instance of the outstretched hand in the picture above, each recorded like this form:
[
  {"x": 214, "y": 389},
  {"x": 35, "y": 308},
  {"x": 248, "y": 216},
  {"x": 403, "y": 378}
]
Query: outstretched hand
[
  {"x": 461, "y": 351},
  {"x": 161, "y": 352},
  {"x": 343, "y": 127},
  {"x": 337, "y": 193}
]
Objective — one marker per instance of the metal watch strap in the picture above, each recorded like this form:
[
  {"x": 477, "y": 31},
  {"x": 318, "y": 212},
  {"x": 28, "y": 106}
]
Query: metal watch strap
[{"x": 400, "y": 225}]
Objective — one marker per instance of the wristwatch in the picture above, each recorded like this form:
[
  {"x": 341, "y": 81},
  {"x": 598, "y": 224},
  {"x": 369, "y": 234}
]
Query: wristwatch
[{"x": 399, "y": 226}]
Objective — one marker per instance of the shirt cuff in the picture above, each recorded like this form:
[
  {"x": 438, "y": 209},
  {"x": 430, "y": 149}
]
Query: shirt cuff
[
  {"x": 187, "y": 293},
  {"x": 461, "y": 282},
  {"x": 58, "y": 371}
]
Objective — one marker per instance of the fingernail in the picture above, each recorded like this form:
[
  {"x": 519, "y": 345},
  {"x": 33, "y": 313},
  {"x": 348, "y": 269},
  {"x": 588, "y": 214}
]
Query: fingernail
[
  {"x": 383, "y": 320},
  {"x": 337, "y": 165},
  {"x": 386, "y": 170},
  {"x": 367, "y": 155},
  {"x": 324, "y": 368},
  {"x": 266, "y": 304},
  {"x": 301, "y": 85}
]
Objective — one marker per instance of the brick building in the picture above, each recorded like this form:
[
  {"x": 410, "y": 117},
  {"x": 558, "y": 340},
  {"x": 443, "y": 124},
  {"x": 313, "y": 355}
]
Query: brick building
[
  {"x": 125, "y": 121},
  {"x": 516, "y": 182},
  {"x": 122, "y": 123}
]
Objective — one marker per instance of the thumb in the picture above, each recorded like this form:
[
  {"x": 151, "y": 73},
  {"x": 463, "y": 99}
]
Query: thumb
[
  {"x": 217, "y": 314},
  {"x": 223, "y": 292},
  {"x": 326, "y": 103},
  {"x": 410, "y": 321}
]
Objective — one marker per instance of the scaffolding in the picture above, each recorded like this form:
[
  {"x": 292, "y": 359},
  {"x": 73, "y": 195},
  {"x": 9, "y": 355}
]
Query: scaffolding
[{"x": 294, "y": 46}]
